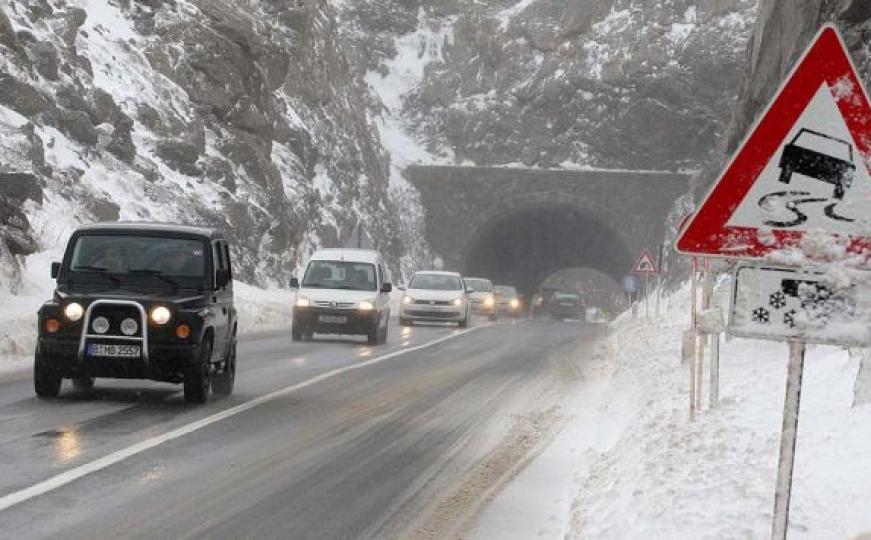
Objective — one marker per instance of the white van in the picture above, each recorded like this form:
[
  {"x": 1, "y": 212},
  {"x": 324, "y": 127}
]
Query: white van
[{"x": 343, "y": 291}]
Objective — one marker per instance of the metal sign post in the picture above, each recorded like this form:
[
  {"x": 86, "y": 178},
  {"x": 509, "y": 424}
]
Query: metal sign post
[{"x": 788, "y": 437}]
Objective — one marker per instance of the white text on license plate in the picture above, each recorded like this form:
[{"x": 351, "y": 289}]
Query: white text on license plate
[
  {"x": 100, "y": 350},
  {"x": 333, "y": 319}
]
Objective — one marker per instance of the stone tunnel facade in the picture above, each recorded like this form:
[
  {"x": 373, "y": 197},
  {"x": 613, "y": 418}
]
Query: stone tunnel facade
[{"x": 518, "y": 226}]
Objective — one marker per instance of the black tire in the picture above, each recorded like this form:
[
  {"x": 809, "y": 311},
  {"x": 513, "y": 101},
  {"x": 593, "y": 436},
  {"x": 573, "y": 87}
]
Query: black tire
[
  {"x": 404, "y": 322},
  {"x": 46, "y": 382},
  {"x": 295, "y": 332},
  {"x": 374, "y": 333},
  {"x": 223, "y": 382},
  {"x": 464, "y": 323},
  {"x": 197, "y": 379},
  {"x": 494, "y": 317},
  {"x": 382, "y": 337},
  {"x": 83, "y": 383}
]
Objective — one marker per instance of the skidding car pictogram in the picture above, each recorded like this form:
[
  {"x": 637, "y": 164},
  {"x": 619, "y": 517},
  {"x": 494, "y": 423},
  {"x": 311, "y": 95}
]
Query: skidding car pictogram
[{"x": 797, "y": 158}]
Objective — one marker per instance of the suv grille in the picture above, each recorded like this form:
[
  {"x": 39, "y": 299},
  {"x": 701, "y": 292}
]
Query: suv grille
[{"x": 115, "y": 314}]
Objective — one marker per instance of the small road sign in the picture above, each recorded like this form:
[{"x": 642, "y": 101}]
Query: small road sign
[
  {"x": 631, "y": 284},
  {"x": 779, "y": 303},
  {"x": 645, "y": 265},
  {"x": 803, "y": 166}
]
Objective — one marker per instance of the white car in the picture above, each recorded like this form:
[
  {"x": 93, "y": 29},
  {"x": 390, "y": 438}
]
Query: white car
[
  {"x": 482, "y": 295},
  {"x": 435, "y": 296},
  {"x": 343, "y": 291}
]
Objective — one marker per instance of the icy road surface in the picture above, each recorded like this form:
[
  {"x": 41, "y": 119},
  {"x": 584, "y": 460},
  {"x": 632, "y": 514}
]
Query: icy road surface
[{"x": 408, "y": 446}]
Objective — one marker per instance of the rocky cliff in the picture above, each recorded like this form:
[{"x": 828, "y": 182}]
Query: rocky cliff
[
  {"x": 242, "y": 114},
  {"x": 548, "y": 83}
]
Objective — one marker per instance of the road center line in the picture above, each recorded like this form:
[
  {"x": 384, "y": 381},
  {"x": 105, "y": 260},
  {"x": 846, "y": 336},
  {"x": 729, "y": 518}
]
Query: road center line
[{"x": 99, "y": 464}]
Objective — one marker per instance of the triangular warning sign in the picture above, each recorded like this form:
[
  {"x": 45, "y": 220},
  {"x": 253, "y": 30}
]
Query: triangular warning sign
[
  {"x": 645, "y": 264},
  {"x": 803, "y": 167}
]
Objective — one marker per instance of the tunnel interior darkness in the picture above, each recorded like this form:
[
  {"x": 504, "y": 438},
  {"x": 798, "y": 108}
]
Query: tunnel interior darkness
[{"x": 526, "y": 245}]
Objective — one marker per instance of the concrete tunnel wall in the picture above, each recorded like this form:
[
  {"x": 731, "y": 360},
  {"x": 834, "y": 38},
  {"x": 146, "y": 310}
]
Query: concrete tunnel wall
[{"x": 519, "y": 226}]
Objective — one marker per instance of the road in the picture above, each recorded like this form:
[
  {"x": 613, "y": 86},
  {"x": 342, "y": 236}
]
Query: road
[{"x": 325, "y": 439}]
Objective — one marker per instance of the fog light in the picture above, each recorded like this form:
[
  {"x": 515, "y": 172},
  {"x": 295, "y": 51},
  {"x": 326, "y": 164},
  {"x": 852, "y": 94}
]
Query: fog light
[
  {"x": 182, "y": 331},
  {"x": 160, "y": 315},
  {"x": 129, "y": 327},
  {"x": 74, "y": 311},
  {"x": 52, "y": 325},
  {"x": 100, "y": 325}
]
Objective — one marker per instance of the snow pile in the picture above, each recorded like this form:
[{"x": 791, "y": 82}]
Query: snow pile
[{"x": 663, "y": 477}]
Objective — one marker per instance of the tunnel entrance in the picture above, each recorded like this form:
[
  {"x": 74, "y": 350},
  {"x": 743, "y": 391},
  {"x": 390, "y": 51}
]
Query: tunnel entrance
[{"x": 525, "y": 246}]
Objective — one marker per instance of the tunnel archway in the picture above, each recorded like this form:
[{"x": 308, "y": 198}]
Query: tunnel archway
[{"x": 525, "y": 245}]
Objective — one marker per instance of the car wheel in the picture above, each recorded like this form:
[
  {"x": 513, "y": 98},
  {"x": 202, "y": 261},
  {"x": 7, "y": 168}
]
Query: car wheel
[
  {"x": 224, "y": 381},
  {"x": 374, "y": 333},
  {"x": 465, "y": 322},
  {"x": 46, "y": 382},
  {"x": 494, "y": 317},
  {"x": 295, "y": 333},
  {"x": 383, "y": 335},
  {"x": 197, "y": 379},
  {"x": 83, "y": 383},
  {"x": 404, "y": 322}
]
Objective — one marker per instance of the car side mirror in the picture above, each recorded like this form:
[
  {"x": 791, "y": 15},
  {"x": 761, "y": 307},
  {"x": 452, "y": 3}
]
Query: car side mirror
[
  {"x": 401, "y": 288},
  {"x": 222, "y": 278},
  {"x": 387, "y": 288},
  {"x": 294, "y": 283},
  {"x": 55, "y": 270}
]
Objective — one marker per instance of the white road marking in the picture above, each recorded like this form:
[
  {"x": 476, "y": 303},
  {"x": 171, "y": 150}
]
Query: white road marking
[{"x": 99, "y": 464}]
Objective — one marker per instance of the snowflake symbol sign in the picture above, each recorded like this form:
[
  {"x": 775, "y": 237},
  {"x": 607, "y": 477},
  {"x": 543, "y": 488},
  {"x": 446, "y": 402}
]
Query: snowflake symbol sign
[
  {"x": 789, "y": 319},
  {"x": 777, "y": 300},
  {"x": 761, "y": 315}
]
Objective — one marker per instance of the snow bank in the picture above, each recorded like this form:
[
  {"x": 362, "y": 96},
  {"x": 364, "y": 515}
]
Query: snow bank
[
  {"x": 259, "y": 310},
  {"x": 663, "y": 477}
]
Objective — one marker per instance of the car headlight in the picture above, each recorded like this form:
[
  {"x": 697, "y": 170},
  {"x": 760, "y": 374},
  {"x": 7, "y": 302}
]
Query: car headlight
[
  {"x": 515, "y": 303},
  {"x": 458, "y": 302},
  {"x": 160, "y": 315},
  {"x": 74, "y": 311},
  {"x": 407, "y": 299},
  {"x": 489, "y": 301},
  {"x": 366, "y": 305},
  {"x": 302, "y": 301},
  {"x": 129, "y": 327}
]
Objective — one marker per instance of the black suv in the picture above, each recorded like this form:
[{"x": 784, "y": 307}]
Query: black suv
[{"x": 140, "y": 301}]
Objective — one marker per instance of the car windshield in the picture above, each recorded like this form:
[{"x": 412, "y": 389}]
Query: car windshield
[
  {"x": 479, "y": 285},
  {"x": 503, "y": 290},
  {"x": 340, "y": 275},
  {"x": 139, "y": 255},
  {"x": 436, "y": 282}
]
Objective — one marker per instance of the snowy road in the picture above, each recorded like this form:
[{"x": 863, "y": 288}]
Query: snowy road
[{"x": 410, "y": 444}]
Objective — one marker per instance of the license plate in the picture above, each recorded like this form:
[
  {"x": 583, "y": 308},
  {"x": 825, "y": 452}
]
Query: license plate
[
  {"x": 567, "y": 304},
  {"x": 100, "y": 350},
  {"x": 333, "y": 319}
]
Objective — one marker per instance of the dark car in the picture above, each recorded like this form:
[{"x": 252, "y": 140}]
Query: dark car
[
  {"x": 541, "y": 302},
  {"x": 800, "y": 159},
  {"x": 140, "y": 301},
  {"x": 566, "y": 306}
]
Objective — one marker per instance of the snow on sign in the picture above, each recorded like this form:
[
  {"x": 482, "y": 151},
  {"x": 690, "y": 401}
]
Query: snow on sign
[
  {"x": 778, "y": 303},
  {"x": 645, "y": 264},
  {"x": 803, "y": 167}
]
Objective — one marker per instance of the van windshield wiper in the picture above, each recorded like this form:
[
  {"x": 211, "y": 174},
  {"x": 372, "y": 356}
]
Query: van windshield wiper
[{"x": 156, "y": 273}]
